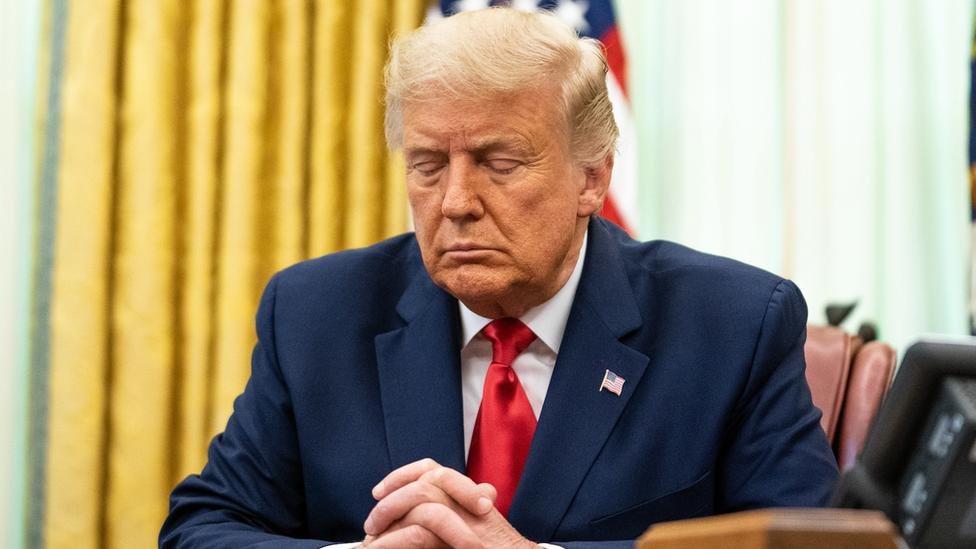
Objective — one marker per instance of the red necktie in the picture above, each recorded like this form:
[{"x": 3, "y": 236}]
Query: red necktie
[{"x": 503, "y": 430}]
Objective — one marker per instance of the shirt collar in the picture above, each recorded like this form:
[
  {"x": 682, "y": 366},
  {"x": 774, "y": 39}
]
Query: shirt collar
[{"x": 547, "y": 321}]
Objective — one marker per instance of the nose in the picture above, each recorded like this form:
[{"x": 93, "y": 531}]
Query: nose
[{"x": 462, "y": 196}]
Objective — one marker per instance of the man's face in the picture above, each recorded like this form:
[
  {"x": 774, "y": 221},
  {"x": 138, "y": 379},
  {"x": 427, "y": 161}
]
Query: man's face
[{"x": 499, "y": 207}]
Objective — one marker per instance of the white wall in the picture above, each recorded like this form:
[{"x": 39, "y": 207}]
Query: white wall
[
  {"x": 19, "y": 32},
  {"x": 824, "y": 140}
]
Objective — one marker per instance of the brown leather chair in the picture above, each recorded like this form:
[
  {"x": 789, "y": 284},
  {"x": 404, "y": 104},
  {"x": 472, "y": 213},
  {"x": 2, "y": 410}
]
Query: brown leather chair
[{"x": 848, "y": 379}]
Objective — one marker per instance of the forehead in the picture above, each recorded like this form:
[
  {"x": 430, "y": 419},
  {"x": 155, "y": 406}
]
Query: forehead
[{"x": 517, "y": 119}]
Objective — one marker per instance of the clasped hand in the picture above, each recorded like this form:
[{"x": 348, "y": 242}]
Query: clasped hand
[{"x": 426, "y": 506}]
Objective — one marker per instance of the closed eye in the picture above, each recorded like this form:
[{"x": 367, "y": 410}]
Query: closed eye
[
  {"x": 502, "y": 166},
  {"x": 427, "y": 169}
]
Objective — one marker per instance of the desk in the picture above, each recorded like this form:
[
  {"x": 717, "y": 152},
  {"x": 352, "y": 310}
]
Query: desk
[{"x": 777, "y": 529}]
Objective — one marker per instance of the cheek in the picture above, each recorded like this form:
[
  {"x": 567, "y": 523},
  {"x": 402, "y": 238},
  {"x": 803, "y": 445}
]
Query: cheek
[
  {"x": 553, "y": 226},
  {"x": 424, "y": 205},
  {"x": 555, "y": 212}
]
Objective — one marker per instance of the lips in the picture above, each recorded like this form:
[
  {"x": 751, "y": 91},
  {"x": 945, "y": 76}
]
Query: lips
[
  {"x": 468, "y": 252},
  {"x": 465, "y": 248}
]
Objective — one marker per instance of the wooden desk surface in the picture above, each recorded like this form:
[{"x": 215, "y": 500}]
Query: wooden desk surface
[{"x": 777, "y": 529}]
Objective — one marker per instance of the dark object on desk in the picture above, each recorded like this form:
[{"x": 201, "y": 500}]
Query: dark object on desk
[
  {"x": 919, "y": 460},
  {"x": 777, "y": 529}
]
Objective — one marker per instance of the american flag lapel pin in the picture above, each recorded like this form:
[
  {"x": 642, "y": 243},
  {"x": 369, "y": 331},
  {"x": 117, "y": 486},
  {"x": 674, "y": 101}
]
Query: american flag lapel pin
[{"x": 613, "y": 382}]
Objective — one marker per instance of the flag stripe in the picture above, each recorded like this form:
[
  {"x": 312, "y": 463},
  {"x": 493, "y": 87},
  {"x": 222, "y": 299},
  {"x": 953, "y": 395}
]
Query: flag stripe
[
  {"x": 611, "y": 213},
  {"x": 612, "y": 382},
  {"x": 615, "y": 58}
]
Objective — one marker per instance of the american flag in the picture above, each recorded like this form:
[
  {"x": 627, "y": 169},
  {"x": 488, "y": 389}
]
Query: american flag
[
  {"x": 595, "y": 19},
  {"x": 613, "y": 382}
]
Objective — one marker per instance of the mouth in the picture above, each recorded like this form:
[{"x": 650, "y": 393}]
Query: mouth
[
  {"x": 465, "y": 248},
  {"x": 467, "y": 252}
]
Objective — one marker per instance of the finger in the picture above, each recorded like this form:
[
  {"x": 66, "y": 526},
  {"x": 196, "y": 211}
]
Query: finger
[
  {"x": 410, "y": 537},
  {"x": 397, "y": 504},
  {"x": 426, "y": 526},
  {"x": 435, "y": 484},
  {"x": 443, "y": 486},
  {"x": 489, "y": 491},
  {"x": 478, "y": 499},
  {"x": 439, "y": 485},
  {"x": 403, "y": 476}
]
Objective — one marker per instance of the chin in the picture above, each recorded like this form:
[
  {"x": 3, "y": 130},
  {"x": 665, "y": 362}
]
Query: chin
[
  {"x": 470, "y": 293},
  {"x": 472, "y": 287}
]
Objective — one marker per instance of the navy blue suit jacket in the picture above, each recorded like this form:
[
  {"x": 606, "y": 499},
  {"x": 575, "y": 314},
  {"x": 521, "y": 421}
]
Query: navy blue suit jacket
[{"x": 357, "y": 372}]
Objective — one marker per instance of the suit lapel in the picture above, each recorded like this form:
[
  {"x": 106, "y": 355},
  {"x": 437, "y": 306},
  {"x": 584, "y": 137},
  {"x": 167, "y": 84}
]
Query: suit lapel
[
  {"x": 420, "y": 378},
  {"x": 420, "y": 385},
  {"x": 577, "y": 417}
]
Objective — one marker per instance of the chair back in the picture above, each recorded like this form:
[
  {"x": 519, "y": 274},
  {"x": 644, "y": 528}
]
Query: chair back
[{"x": 848, "y": 380}]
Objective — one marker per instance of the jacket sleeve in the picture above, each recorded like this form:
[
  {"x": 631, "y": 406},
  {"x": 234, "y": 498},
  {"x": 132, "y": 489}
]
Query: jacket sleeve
[
  {"x": 775, "y": 452},
  {"x": 250, "y": 493}
]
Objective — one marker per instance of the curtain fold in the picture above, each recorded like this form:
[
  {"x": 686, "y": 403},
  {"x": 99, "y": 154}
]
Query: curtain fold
[
  {"x": 142, "y": 256},
  {"x": 80, "y": 317},
  {"x": 205, "y": 145},
  {"x": 191, "y": 426}
]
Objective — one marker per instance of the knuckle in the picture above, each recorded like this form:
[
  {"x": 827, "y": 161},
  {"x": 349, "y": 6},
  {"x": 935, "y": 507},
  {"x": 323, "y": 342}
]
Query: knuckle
[
  {"x": 437, "y": 475},
  {"x": 433, "y": 516},
  {"x": 427, "y": 513},
  {"x": 445, "y": 518},
  {"x": 415, "y": 536},
  {"x": 428, "y": 492}
]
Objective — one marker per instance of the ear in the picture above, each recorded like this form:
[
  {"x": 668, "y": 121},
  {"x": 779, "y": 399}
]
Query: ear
[{"x": 595, "y": 188}]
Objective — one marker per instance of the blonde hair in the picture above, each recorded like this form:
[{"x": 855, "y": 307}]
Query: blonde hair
[{"x": 487, "y": 53}]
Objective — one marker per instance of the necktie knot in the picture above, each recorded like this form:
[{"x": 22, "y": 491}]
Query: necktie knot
[{"x": 509, "y": 337}]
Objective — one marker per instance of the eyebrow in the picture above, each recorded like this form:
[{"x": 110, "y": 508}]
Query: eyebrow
[
  {"x": 421, "y": 153},
  {"x": 491, "y": 144},
  {"x": 421, "y": 150}
]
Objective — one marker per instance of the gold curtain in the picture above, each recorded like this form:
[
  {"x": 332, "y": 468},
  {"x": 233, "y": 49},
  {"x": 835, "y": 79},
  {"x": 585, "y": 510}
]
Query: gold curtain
[{"x": 204, "y": 145}]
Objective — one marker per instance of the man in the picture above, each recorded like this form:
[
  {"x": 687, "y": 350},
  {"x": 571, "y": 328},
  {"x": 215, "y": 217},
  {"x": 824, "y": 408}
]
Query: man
[{"x": 665, "y": 383}]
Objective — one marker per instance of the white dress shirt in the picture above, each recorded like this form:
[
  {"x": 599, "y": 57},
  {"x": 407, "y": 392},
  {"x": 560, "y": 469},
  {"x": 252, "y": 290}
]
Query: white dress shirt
[{"x": 533, "y": 366}]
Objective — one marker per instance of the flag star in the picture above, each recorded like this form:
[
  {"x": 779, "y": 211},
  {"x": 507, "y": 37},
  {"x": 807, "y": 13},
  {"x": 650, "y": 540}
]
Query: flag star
[
  {"x": 573, "y": 12},
  {"x": 468, "y": 5},
  {"x": 526, "y": 5}
]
